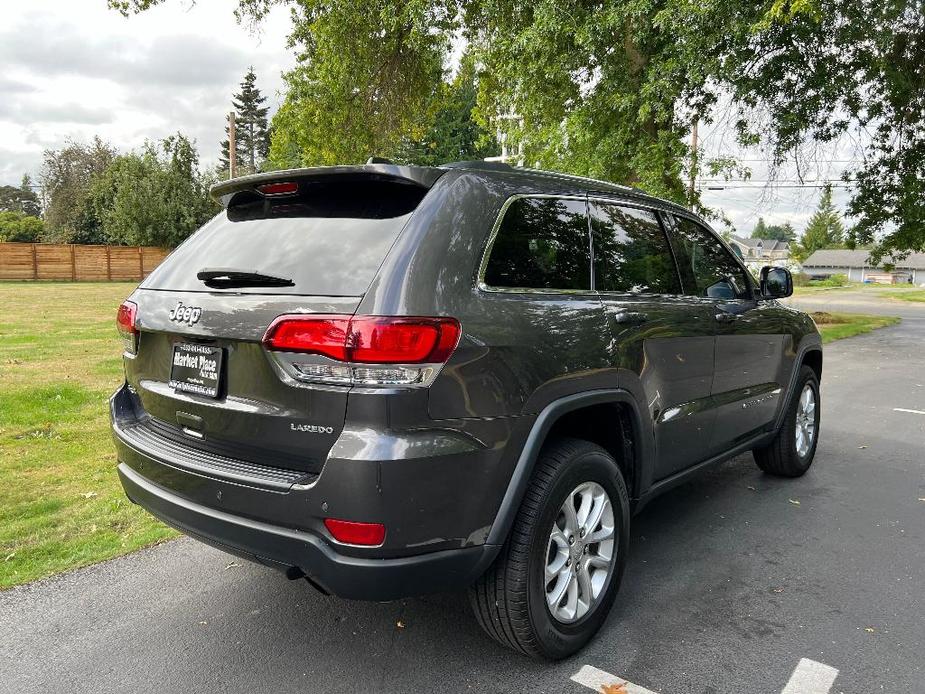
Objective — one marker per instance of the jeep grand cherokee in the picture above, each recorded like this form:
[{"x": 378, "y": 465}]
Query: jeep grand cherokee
[{"x": 395, "y": 380}]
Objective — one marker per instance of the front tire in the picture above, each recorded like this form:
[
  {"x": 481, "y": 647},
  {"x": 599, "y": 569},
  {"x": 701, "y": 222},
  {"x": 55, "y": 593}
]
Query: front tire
[
  {"x": 553, "y": 583},
  {"x": 791, "y": 451}
]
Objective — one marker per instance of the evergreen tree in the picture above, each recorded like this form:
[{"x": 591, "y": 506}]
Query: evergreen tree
[
  {"x": 454, "y": 134},
  {"x": 22, "y": 199},
  {"x": 30, "y": 200},
  {"x": 780, "y": 232},
  {"x": 787, "y": 233},
  {"x": 252, "y": 140},
  {"x": 761, "y": 229},
  {"x": 825, "y": 228}
]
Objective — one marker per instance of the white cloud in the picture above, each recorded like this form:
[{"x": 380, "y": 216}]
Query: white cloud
[{"x": 73, "y": 70}]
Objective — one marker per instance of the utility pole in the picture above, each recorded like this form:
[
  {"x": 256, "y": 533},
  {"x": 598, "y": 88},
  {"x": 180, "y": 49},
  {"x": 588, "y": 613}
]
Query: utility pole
[
  {"x": 506, "y": 153},
  {"x": 693, "y": 162},
  {"x": 232, "y": 147}
]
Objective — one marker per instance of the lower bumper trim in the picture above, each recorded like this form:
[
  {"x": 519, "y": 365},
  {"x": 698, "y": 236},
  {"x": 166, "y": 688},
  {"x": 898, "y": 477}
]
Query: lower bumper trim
[{"x": 292, "y": 550}]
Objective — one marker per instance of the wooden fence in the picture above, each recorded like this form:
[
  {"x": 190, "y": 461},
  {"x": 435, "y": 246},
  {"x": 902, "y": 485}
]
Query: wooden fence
[{"x": 54, "y": 261}]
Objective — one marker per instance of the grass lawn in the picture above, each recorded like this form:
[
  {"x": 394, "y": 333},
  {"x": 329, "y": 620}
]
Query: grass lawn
[
  {"x": 904, "y": 292},
  {"x": 61, "y": 505},
  {"x": 835, "y": 326},
  {"x": 908, "y": 295}
]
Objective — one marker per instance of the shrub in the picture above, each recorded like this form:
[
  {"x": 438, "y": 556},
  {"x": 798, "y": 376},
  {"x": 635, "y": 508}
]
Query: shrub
[
  {"x": 16, "y": 226},
  {"x": 837, "y": 280}
]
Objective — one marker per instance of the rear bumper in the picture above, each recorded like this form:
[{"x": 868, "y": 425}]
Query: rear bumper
[{"x": 298, "y": 552}]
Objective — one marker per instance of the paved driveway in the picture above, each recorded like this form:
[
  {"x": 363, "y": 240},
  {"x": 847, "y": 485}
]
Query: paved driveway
[{"x": 733, "y": 579}]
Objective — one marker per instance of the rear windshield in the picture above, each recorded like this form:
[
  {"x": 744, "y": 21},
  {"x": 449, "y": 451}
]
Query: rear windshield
[{"x": 329, "y": 239}]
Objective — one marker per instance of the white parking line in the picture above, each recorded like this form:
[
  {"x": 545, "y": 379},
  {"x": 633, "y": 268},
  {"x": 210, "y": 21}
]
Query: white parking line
[
  {"x": 595, "y": 679},
  {"x": 811, "y": 677},
  {"x": 903, "y": 409}
]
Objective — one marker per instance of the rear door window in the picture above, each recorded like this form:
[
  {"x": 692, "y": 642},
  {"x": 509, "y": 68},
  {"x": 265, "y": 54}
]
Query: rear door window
[
  {"x": 542, "y": 243},
  {"x": 329, "y": 239},
  {"x": 707, "y": 268},
  {"x": 631, "y": 252}
]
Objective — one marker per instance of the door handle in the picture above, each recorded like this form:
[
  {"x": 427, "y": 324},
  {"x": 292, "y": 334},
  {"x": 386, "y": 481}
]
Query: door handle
[
  {"x": 724, "y": 317},
  {"x": 630, "y": 318}
]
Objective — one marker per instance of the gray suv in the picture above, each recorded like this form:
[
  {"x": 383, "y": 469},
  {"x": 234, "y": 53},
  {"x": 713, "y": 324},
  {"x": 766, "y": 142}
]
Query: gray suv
[{"x": 394, "y": 380}]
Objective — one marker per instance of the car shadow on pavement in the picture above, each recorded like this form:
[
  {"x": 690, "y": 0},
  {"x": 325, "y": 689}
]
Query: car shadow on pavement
[{"x": 683, "y": 550}]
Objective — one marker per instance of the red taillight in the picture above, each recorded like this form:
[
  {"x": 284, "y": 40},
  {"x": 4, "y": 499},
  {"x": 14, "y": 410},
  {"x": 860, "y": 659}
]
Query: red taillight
[
  {"x": 367, "y": 339},
  {"x": 376, "y": 340},
  {"x": 125, "y": 323},
  {"x": 354, "y": 533},
  {"x": 278, "y": 188},
  {"x": 325, "y": 335}
]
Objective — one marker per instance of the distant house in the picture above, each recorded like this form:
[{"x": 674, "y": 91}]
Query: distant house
[
  {"x": 760, "y": 252},
  {"x": 856, "y": 266}
]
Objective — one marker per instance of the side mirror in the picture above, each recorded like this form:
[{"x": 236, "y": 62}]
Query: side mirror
[{"x": 776, "y": 282}]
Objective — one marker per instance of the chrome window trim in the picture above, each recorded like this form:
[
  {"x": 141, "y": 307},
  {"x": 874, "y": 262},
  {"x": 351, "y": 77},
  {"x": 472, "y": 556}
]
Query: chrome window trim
[
  {"x": 493, "y": 235},
  {"x": 657, "y": 210},
  {"x": 659, "y": 214}
]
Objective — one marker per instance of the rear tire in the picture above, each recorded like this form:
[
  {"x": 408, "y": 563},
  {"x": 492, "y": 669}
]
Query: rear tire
[
  {"x": 791, "y": 451},
  {"x": 515, "y": 599}
]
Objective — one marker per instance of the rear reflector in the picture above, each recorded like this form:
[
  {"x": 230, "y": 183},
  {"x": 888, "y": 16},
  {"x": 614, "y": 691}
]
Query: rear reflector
[
  {"x": 366, "y": 339},
  {"x": 354, "y": 533},
  {"x": 125, "y": 324},
  {"x": 278, "y": 188}
]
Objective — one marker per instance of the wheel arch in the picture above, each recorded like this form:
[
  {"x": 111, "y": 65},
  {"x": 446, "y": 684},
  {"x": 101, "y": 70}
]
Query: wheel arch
[
  {"x": 809, "y": 354},
  {"x": 813, "y": 359},
  {"x": 579, "y": 415}
]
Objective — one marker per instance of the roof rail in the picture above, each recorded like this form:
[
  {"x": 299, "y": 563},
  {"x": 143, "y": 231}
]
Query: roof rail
[
  {"x": 379, "y": 160},
  {"x": 502, "y": 166},
  {"x": 575, "y": 177},
  {"x": 478, "y": 164}
]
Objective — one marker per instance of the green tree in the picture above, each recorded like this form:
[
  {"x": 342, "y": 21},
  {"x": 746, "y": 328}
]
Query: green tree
[
  {"x": 155, "y": 197},
  {"x": 611, "y": 89},
  {"x": 761, "y": 229},
  {"x": 365, "y": 79},
  {"x": 781, "y": 232},
  {"x": 252, "y": 141},
  {"x": 17, "y": 226},
  {"x": 454, "y": 134},
  {"x": 66, "y": 176},
  {"x": 825, "y": 229},
  {"x": 22, "y": 199}
]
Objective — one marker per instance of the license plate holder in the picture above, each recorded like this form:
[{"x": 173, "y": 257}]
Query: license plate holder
[{"x": 197, "y": 369}]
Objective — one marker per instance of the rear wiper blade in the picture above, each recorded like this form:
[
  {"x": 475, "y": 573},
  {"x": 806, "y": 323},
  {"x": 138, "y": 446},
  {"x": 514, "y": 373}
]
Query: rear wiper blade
[{"x": 223, "y": 277}]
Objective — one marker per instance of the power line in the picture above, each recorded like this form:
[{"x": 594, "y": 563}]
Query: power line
[
  {"x": 800, "y": 181},
  {"x": 775, "y": 186},
  {"x": 820, "y": 161}
]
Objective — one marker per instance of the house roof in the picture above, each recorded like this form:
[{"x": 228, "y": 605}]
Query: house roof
[
  {"x": 766, "y": 244},
  {"x": 859, "y": 258}
]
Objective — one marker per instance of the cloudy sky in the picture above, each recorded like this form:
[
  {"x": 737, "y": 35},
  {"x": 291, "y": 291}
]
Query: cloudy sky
[{"x": 73, "y": 69}]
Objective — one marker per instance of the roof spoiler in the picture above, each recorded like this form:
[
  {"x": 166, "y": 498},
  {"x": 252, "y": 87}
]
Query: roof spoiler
[{"x": 415, "y": 175}]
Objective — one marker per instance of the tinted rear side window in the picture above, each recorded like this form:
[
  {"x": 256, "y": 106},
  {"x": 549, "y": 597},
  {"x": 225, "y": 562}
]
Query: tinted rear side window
[
  {"x": 631, "y": 252},
  {"x": 329, "y": 239},
  {"x": 707, "y": 268},
  {"x": 542, "y": 243}
]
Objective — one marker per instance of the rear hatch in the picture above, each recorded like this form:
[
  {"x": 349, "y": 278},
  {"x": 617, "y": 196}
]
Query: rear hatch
[{"x": 307, "y": 242}]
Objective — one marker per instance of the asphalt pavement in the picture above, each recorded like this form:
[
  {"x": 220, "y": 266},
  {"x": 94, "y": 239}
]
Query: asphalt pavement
[{"x": 733, "y": 579}]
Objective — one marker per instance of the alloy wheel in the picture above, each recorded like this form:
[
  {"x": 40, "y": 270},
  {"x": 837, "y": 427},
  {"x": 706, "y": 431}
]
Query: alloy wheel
[
  {"x": 806, "y": 421},
  {"x": 580, "y": 553}
]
